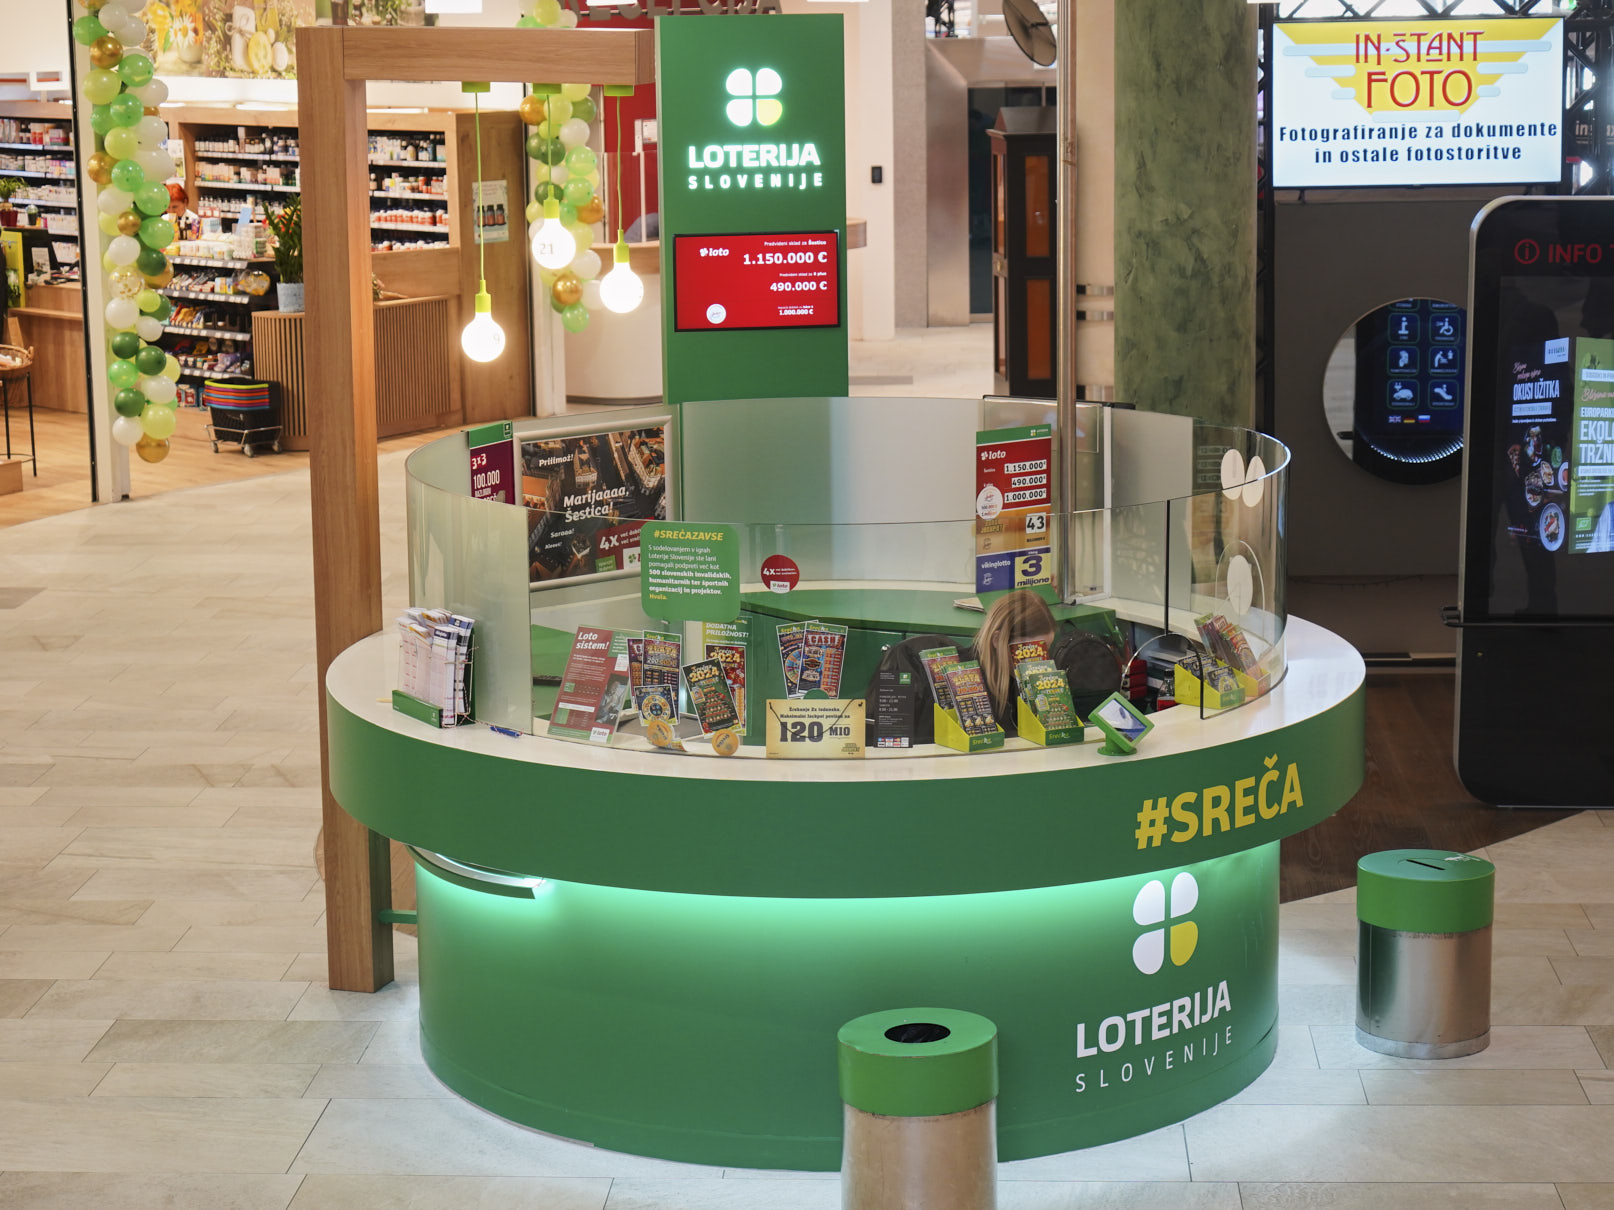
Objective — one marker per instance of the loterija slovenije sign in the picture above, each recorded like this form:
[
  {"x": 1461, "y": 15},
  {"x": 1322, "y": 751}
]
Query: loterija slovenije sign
[
  {"x": 1448, "y": 102},
  {"x": 753, "y": 201}
]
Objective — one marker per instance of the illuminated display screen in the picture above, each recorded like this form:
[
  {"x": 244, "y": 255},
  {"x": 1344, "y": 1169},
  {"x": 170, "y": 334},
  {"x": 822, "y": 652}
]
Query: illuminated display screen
[{"x": 738, "y": 282}]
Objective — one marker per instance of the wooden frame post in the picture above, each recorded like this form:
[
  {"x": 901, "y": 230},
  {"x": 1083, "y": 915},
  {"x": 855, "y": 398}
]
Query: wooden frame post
[{"x": 334, "y": 62}]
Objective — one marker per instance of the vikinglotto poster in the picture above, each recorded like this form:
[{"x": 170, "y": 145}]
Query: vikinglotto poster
[
  {"x": 1448, "y": 102},
  {"x": 1013, "y": 502}
]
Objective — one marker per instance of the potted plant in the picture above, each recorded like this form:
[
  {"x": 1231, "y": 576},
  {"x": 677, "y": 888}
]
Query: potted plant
[
  {"x": 287, "y": 226},
  {"x": 9, "y": 185}
]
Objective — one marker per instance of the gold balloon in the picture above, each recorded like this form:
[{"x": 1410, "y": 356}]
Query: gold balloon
[
  {"x": 150, "y": 450},
  {"x": 129, "y": 223},
  {"x": 106, "y": 51},
  {"x": 93, "y": 5},
  {"x": 567, "y": 289},
  {"x": 99, "y": 166},
  {"x": 158, "y": 280},
  {"x": 151, "y": 111},
  {"x": 591, "y": 211},
  {"x": 531, "y": 109}
]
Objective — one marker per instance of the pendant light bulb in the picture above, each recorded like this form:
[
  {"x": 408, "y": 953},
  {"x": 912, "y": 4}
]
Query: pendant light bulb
[
  {"x": 621, "y": 290},
  {"x": 552, "y": 245},
  {"x": 483, "y": 339}
]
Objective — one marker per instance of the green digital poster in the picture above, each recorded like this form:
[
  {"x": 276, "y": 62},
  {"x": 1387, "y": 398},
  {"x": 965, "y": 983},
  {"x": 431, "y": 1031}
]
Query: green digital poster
[
  {"x": 689, "y": 571},
  {"x": 1591, "y": 447},
  {"x": 752, "y": 129}
]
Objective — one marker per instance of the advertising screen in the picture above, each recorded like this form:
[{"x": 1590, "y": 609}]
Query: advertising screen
[
  {"x": 1451, "y": 102},
  {"x": 587, "y": 496},
  {"x": 737, "y": 282}
]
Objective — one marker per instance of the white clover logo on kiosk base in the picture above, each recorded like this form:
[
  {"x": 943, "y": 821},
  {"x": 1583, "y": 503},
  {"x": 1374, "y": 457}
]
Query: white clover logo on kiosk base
[{"x": 1150, "y": 908}]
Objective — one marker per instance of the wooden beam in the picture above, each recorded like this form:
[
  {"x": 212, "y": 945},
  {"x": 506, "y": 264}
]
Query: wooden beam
[
  {"x": 582, "y": 56},
  {"x": 339, "y": 353}
]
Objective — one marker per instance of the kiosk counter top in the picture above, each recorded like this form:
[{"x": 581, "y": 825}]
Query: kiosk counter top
[{"x": 931, "y": 823}]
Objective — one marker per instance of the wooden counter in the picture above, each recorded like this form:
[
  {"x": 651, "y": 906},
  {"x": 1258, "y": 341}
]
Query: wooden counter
[{"x": 53, "y": 325}]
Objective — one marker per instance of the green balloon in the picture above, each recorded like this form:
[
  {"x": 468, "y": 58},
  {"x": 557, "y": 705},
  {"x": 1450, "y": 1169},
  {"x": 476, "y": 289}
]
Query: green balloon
[
  {"x": 121, "y": 142},
  {"x": 584, "y": 108},
  {"x": 547, "y": 12},
  {"x": 580, "y": 160},
  {"x": 125, "y": 344},
  {"x": 554, "y": 152},
  {"x": 101, "y": 119},
  {"x": 87, "y": 29},
  {"x": 123, "y": 374},
  {"x": 568, "y": 215},
  {"x": 549, "y": 128},
  {"x": 574, "y": 318},
  {"x": 163, "y": 309},
  {"x": 543, "y": 191},
  {"x": 151, "y": 262},
  {"x": 527, "y": 23},
  {"x": 157, "y": 232},
  {"x": 159, "y": 421},
  {"x": 127, "y": 175},
  {"x": 101, "y": 85},
  {"x": 136, "y": 70},
  {"x": 152, "y": 199},
  {"x": 150, "y": 361},
  {"x": 126, "y": 109},
  {"x": 535, "y": 145},
  {"x": 129, "y": 402},
  {"x": 577, "y": 191}
]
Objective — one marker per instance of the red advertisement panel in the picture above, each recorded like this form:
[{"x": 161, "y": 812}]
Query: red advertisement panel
[{"x": 731, "y": 282}]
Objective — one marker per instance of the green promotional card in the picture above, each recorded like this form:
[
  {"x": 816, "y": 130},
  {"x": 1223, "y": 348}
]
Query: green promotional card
[
  {"x": 689, "y": 571},
  {"x": 1588, "y": 470},
  {"x": 709, "y": 696}
]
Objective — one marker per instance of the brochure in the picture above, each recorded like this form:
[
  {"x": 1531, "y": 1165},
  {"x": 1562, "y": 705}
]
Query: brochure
[
  {"x": 635, "y": 661},
  {"x": 709, "y": 696},
  {"x": 791, "y": 637},
  {"x": 1026, "y": 669},
  {"x": 1027, "y": 649},
  {"x": 970, "y": 699},
  {"x": 663, "y": 655},
  {"x": 892, "y": 708},
  {"x": 589, "y": 669},
  {"x": 1050, "y": 698},
  {"x": 726, "y": 642},
  {"x": 655, "y": 702},
  {"x": 823, "y": 653},
  {"x": 937, "y": 660}
]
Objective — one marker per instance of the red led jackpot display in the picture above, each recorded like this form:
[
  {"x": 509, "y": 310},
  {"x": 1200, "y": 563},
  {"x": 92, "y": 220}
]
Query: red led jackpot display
[{"x": 733, "y": 282}]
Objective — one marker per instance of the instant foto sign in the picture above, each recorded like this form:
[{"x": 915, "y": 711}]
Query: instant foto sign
[{"x": 1417, "y": 102}]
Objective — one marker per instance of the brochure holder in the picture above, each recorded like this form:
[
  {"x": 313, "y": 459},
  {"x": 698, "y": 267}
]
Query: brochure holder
[
  {"x": 950, "y": 733},
  {"x": 403, "y": 703},
  {"x": 1031, "y": 728},
  {"x": 1189, "y": 689}
]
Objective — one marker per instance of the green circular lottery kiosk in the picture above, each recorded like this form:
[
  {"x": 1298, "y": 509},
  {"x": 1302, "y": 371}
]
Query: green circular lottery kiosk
[{"x": 652, "y": 950}]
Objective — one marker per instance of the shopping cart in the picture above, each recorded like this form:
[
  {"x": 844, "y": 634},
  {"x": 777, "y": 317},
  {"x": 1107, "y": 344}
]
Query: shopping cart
[{"x": 243, "y": 412}]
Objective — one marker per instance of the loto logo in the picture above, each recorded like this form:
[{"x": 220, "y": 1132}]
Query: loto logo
[
  {"x": 755, "y": 96},
  {"x": 1151, "y": 908}
]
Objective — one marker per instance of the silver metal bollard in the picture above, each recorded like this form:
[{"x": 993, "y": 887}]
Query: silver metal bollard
[
  {"x": 920, "y": 1090},
  {"x": 1423, "y": 967}
]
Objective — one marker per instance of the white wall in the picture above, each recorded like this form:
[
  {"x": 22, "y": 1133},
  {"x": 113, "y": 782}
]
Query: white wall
[{"x": 36, "y": 41}]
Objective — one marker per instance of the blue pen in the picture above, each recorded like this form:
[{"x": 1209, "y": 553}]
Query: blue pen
[{"x": 505, "y": 731}]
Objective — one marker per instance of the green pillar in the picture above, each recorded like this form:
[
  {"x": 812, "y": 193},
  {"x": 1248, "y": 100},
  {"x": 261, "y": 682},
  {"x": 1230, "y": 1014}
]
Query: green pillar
[{"x": 1185, "y": 96}]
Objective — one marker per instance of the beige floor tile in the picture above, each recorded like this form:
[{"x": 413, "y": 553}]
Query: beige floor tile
[
  {"x": 1402, "y": 1143},
  {"x": 1601, "y": 915},
  {"x": 242, "y": 1081},
  {"x": 1316, "y": 968},
  {"x": 1296, "y": 1051},
  {"x": 1515, "y": 1046},
  {"x": 80, "y": 797},
  {"x": 1581, "y": 1003},
  {"x": 1299, "y": 1086},
  {"x": 1596, "y": 972},
  {"x": 60, "y": 937},
  {"x": 34, "y": 846},
  {"x": 231, "y": 1041},
  {"x": 395, "y": 1042},
  {"x": 31, "y": 1040},
  {"x": 255, "y": 884},
  {"x": 1525, "y": 972},
  {"x": 241, "y": 939},
  {"x": 1473, "y": 1087},
  {"x": 725, "y": 1195},
  {"x": 449, "y": 1193},
  {"x": 1317, "y": 942},
  {"x": 26, "y": 1081},
  {"x": 314, "y": 968},
  {"x": 206, "y": 846},
  {"x": 28, "y": 883},
  {"x": 1587, "y": 1197},
  {"x": 1093, "y": 1195},
  {"x": 1598, "y": 1084},
  {"x": 72, "y": 911},
  {"x": 152, "y": 1134},
  {"x": 395, "y": 1002},
  {"x": 35, "y": 814},
  {"x": 1156, "y": 1156},
  {"x": 101, "y": 818},
  {"x": 1592, "y": 943},
  {"x": 144, "y": 1191},
  {"x": 17, "y": 996},
  {"x": 1531, "y": 942},
  {"x": 1317, "y": 1004},
  {"x": 447, "y": 1137},
  {"x": 169, "y": 1000},
  {"x": 42, "y": 964},
  {"x": 1420, "y": 1196},
  {"x": 171, "y": 965},
  {"x": 377, "y": 1082},
  {"x": 215, "y": 912}
]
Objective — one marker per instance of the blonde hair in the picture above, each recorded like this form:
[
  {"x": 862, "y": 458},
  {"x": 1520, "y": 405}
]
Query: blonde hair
[{"x": 1012, "y": 618}]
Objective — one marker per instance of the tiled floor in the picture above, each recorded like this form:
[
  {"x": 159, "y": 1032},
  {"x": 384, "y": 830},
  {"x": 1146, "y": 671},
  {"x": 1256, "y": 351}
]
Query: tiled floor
[{"x": 166, "y": 1039}]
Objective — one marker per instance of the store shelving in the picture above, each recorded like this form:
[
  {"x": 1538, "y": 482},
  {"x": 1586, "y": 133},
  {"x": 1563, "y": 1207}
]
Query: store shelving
[
  {"x": 211, "y": 333},
  {"x": 36, "y": 147}
]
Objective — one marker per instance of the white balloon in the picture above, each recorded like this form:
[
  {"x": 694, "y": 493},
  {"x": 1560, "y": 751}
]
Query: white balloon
[
  {"x": 155, "y": 92},
  {"x": 560, "y": 174},
  {"x": 156, "y": 163},
  {"x": 568, "y": 19},
  {"x": 121, "y": 313},
  {"x": 587, "y": 264},
  {"x": 114, "y": 200},
  {"x": 113, "y": 15},
  {"x": 123, "y": 250},
  {"x": 574, "y": 132},
  {"x": 147, "y": 328},
  {"x": 591, "y": 296},
  {"x": 158, "y": 390},
  {"x": 126, "y": 430},
  {"x": 131, "y": 33},
  {"x": 151, "y": 131}
]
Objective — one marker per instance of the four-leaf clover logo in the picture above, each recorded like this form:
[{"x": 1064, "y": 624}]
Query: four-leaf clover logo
[
  {"x": 755, "y": 96},
  {"x": 1149, "y": 950}
]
